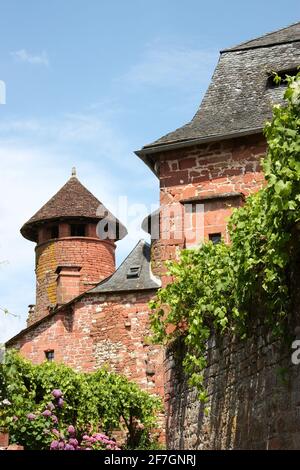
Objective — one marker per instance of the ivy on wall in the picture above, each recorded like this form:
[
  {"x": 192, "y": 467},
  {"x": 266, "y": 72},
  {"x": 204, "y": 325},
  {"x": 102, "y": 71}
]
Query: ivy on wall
[{"x": 216, "y": 288}]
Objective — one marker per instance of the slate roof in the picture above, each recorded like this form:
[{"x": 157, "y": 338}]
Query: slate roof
[
  {"x": 119, "y": 280},
  {"x": 72, "y": 201},
  {"x": 289, "y": 34},
  {"x": 238, "y": 100}
]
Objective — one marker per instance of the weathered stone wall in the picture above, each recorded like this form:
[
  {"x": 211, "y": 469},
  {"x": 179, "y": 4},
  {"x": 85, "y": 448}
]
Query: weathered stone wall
[
  {"x": 254, "y": 389},
  {"x": 254, "y": 397},
  {"x": 121, "y": 333},
  {"x": 98, "y": 330},
  {"x": 67, "y": 333}
]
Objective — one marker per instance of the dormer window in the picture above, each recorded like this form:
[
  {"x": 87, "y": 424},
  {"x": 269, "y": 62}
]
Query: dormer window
[
  {"x": 271, "y": 83},
  {"x": 78, "y": 230},
  {"x": 134, "y": 272}
]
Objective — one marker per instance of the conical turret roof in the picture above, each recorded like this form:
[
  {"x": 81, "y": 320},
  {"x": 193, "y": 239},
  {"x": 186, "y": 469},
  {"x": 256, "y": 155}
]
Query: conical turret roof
[{"x": 72, "y": 201}]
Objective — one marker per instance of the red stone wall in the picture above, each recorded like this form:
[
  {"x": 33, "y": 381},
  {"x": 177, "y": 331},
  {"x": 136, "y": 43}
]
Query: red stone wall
[
  {"x": 200, "y": 172},
  {"x": 121, "y": 333},
  {"x": 101, "y": 330},
  {"x": 67, "y": 333},
  {"x": 95, "y": 257}
]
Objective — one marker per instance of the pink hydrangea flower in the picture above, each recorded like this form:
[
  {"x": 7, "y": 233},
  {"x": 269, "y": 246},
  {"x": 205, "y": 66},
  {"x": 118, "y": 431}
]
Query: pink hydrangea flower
[
  {"x": 60, "y": 403},
  {"x": 55, "y": 432},
  {"x": 71, "y": 430},
  {"x": 57, "y": 393},
  {"x": 69, "y": 447},
  {"x": 61, "y": 445},
  {"x": 54, "y": 445},
  {"x": 73, "y": 442},
  {"x": 31, "y": 416}
]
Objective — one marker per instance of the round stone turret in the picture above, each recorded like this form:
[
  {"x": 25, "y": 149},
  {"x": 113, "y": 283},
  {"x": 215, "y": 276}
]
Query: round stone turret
[{"x": 72, "y": 255}]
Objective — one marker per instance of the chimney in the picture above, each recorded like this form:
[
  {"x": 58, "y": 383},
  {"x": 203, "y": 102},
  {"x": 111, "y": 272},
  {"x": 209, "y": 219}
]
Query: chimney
[
  {"x": 68, "y": 283},
  {"x": 31, "y": 314}
]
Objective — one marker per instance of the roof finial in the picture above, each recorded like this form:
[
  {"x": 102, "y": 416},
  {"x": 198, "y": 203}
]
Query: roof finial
[{"x": 74, "y": 172}]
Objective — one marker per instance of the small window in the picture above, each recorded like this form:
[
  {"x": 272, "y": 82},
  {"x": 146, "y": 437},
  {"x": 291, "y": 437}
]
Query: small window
[
  {"x": 282, "y": 74},
  {"x": 54, "y": 231},
  {"x": 134, "y": 272},
  {"x": 77, "y": 230},
  {"x": 215, "y": 237},
  {"x": 49, "y": 355}
]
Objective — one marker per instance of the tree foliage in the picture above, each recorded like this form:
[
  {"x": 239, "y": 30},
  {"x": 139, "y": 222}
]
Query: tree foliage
[{"x": 216, "y": 288}]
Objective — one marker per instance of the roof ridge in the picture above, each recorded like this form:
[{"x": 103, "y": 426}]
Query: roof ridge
[{"x": 244, "y": 43}]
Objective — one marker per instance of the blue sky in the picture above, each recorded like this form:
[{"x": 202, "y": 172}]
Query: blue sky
[{"x": 88, "y": 82}]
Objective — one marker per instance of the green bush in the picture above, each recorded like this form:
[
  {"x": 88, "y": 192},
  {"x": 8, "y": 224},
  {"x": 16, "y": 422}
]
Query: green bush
[{"x": 91, "y": 401}]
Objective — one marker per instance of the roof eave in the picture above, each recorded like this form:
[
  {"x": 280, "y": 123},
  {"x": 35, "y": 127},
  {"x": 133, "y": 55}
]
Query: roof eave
[
  {"x": 147, "y": 154},
  {"x": 28, "y": 230},
  {"x": 122, "y": 291}
]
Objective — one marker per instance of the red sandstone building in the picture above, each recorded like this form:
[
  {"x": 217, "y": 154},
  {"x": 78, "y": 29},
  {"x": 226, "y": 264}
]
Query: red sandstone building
[{"x": 87, "y": 313}]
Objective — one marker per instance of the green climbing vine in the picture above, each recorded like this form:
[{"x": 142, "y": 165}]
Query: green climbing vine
[{"x": 217, "y": 287}]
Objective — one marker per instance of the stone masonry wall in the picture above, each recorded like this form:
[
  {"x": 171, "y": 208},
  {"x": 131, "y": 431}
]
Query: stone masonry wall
[
  {"x": 254, "y": 397},
  {"x": 254, "y": 389},
  {"x": 95, "y": 257},
  {"x": 98, "y": 330},
  {"x": 66, "y": 333},
  {"x": 121, "y": 339},
  {"x": 200, "y": 172}
]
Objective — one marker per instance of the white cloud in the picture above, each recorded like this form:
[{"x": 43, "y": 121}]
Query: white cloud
[
  {"x": 66, "y": 131},
  {"x": 172, "y": 66},
  {"x": 23, "y": 55}
]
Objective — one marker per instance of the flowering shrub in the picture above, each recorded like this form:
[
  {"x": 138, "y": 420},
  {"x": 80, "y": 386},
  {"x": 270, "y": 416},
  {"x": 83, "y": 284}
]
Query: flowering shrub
[
  {"x": 42, "y": 430},
  {"x": 96, "y": 441},
  {"x": 50, "y": 401}
]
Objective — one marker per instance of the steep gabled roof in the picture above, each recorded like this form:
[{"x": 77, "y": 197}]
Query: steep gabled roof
[
  {"x": 125, "y": 278},
  {"x": 73, "y": 200},
  {"x": 238, "y": 100}
]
